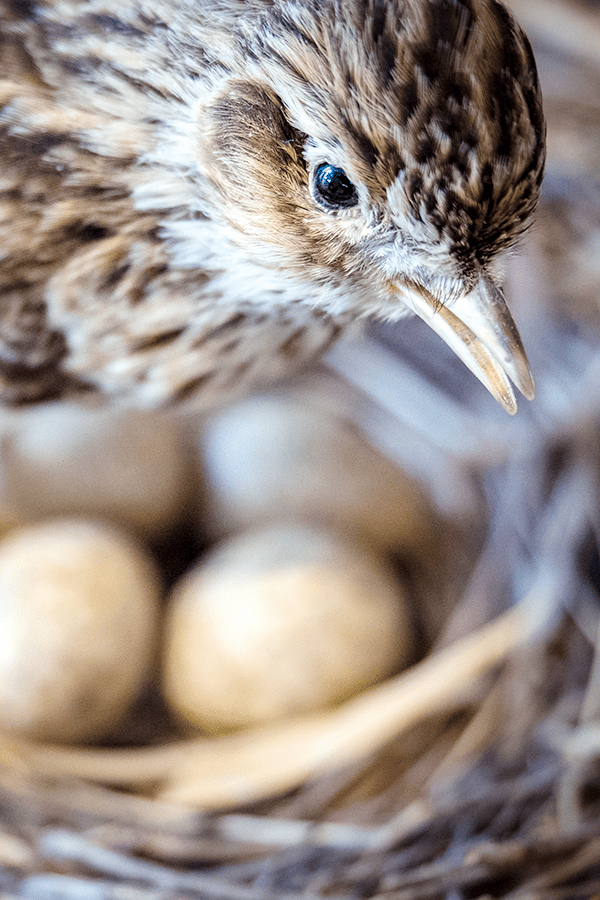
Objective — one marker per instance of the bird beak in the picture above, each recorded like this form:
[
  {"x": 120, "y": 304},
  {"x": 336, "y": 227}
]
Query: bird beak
[{"x": 482, "y": 333}]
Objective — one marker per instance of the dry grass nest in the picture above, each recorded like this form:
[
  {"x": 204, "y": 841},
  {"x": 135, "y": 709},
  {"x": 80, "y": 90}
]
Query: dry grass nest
[{"x": 476, "y": 772}]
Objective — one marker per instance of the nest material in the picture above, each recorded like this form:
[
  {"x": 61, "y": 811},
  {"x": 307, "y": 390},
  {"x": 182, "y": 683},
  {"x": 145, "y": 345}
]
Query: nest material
[{"x": 475, "y": 774}]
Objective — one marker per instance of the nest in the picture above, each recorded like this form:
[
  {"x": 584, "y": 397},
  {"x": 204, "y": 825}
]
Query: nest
[{"x": 475, "y": 772}]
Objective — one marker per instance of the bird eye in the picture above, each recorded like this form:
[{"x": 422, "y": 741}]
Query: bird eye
[{"x": 332, "y": 187}]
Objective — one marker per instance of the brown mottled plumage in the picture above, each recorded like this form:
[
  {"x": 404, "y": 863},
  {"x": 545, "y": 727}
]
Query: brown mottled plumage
[{"x": 201, "y": 193}]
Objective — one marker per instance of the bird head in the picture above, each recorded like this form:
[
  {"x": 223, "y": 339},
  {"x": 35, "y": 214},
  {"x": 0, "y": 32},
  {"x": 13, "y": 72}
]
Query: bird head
[{"x": 385, "y": 154}]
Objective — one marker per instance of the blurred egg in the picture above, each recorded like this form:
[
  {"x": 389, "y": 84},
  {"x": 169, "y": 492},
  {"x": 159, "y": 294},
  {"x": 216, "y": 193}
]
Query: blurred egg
[
  {"x": 277, "y": 456},
  {"x": 278, "y": 622},
  {"x": 78, "y": 616},
  {"x": 126, "y": 467}
]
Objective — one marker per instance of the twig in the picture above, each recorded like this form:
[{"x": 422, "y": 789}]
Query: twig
[
  {"x": 60, "y": 846},
  {"x": 67, "y": 887}
]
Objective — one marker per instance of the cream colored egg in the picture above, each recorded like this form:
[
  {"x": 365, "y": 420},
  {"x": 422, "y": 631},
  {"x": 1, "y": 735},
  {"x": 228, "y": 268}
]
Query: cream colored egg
[
  {"x": 78, "y": 615},
  {"x": 278, "y": 622},
  {"x": 62, "y": 459},
  {"x": 279, "y": 455}
]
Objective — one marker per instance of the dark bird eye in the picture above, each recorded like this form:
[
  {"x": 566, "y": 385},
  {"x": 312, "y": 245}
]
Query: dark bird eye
[{"x": 333, "y": 188}]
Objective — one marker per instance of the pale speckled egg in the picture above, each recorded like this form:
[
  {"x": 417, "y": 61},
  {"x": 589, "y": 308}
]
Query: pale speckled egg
[
  {"x": 278, "y": 622},
  {"x": 78, "y": 619}
]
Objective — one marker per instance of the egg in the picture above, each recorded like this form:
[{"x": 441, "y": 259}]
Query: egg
[
  {"x": 280, "y": 454},
  {"x": 280, "y": 621},
  {"x": 78, "y": 620},
  {"x": 71, "y": 459}
]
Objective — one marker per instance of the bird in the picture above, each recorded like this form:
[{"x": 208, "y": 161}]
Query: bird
[{"x": 201, "y": 195}]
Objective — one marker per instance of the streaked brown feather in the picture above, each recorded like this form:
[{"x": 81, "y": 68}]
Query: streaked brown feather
[{"x": 155, "y": 182}]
